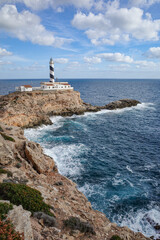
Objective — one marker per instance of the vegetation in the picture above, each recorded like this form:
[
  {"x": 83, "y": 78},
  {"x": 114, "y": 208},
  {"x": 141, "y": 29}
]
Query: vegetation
[
  {"x": 76, "y": 224},
  {"x": 4, "y": 209},
  {"x": 7, "y": 137},
  {"x": 29, "y": 198},
  {"x": 7, "y": 231},
  {"x": 115, "y": 237},
  {"x": 1, "y": 129},
  {"x": 2, "y": 171}
]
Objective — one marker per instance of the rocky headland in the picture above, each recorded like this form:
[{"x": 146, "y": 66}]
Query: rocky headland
[{"x": 45, "y": 204}]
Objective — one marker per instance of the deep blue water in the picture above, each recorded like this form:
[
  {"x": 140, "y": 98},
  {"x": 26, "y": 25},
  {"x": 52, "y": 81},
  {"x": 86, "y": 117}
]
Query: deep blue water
[{"x": 113, "y": 156}]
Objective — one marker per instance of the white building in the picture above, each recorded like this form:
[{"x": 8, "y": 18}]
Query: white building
[
  {"x": 24, "y": 88},
  {"x": 55, "y": 86}
]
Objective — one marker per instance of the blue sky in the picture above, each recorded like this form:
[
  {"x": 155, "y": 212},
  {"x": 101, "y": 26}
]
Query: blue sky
[{"x": 85, "y": 38}]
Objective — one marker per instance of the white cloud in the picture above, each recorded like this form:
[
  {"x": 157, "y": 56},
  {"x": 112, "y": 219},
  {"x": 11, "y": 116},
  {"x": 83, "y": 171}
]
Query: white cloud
[
  {"x": 116, "y": 57},
  {"x": 143, "y": 3},
  {"x": 148, "y": 65},
  {"x": 4, "y": 52},
  {"x": 153, "y": 52},
  {"x": 4, "y": 62},
  {"x": 26, "y": 26},
  {"x": 44, "y": 4},
  {"x": 61, "y": 60},
  {"x": 117, "y": 24},
  {"x": 92, "y": 59}
]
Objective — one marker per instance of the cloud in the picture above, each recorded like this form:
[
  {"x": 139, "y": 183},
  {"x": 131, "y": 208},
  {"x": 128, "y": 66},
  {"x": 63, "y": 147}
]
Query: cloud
[
  {"x": 117, "y": 24},
  {"x": 26, "y": 26},
  {"x": 4, "y": 62},
  {"x": 142, "y": 3},
  {"x": 92, "y": 59},
  {"x": 116, "y": 57},
  {"x": 153, "y": 52},
  {"x": 41, "y": 4},
  {"x": 61, "y": 60},
  {"x": 4, "y": 52}
]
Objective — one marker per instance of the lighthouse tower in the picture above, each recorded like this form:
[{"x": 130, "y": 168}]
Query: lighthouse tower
[{"x": 51, "y": 66}]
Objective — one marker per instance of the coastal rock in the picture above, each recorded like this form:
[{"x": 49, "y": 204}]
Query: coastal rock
[
  {"x": 29, "y": 109},
  {"x": 6, "y": 154},
  {"x": 21, "y": 221},
  {"x": 123, "y": 103},
  {"x": 40, "y": 162}
]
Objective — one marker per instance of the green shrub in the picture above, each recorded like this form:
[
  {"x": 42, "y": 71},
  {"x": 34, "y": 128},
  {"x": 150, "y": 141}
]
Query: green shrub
[
  {"x": 7, "y": 137},
  {"x": 115, "y": 237},
  {"x": 1, "y": 129},
  {"x": 29, "y": 198},
  {"x": 4, "y": 209},
  {"x": 7, "y": 231},
  {"x": 9, "y": 174},
  {"x": 75, "y": 223}
]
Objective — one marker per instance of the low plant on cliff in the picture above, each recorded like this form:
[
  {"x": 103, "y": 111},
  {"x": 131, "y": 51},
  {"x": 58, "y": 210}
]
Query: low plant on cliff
[
  {"x": 7, "y": 137},
  {"x": 115, "y": 237},
  {"x": 4, "y": 209},
  {"x": 29, "y": 198},
  {"x": 7, "y": 231},
  {"x": 3, "y": 171},
  {"x": 75, "y": 223}
]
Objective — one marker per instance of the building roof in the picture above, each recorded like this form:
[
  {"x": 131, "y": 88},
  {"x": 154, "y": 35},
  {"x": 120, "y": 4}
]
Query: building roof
[
  {"x": 47, "y": 83},
  {"x": 27, "y": 86}
]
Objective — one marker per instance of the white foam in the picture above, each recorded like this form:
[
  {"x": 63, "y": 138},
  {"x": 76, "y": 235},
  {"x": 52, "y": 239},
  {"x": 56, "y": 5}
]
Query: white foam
[
  {"x": 129, "y": 169},
  {"x": 67, "y": 158},
  {"x": 140, "y": 106},
  {"x": 137, "y": 221}
]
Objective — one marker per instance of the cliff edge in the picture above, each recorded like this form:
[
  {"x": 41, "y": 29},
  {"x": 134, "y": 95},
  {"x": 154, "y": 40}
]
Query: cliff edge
[{"x": 28, "y": 109}]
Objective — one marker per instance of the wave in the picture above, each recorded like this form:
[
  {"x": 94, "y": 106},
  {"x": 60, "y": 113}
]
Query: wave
[
  {"x": 67, "y": 158},
  {"x": 142, "y": 221}
]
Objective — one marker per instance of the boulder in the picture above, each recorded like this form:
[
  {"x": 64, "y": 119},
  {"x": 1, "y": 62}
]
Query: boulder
[
  {"x": 40, "y": 162},
  {"x": 21, "y": 221}
]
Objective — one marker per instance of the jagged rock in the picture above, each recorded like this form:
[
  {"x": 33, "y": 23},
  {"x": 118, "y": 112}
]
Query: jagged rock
[
  {"x": 123, "y": 103},
  {"x": 41, "y": 163},
  {"x": 47, "y": 220},
  {"x": 34, "y": 108},
  {"x": 6, "y": 154},
  {"x": 21, "y": 221}
]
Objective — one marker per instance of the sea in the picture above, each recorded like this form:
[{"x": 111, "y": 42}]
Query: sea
[{"x": 113, "y": 156}]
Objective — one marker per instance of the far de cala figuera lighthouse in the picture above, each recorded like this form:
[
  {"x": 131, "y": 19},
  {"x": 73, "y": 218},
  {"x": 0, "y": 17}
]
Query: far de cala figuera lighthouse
[{"x": 52, "y": 85}]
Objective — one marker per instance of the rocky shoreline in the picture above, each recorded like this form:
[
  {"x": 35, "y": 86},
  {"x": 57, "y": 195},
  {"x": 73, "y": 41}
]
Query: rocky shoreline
[{"x": 68, "y": 214}]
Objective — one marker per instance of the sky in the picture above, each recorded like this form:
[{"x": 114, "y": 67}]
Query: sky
[{"x": 85, "y": 38}]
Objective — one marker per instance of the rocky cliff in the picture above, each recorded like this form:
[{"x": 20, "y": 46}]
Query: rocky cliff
[
  {"x": 28, "y": 109},
  {"x": 24, "y": 165}
]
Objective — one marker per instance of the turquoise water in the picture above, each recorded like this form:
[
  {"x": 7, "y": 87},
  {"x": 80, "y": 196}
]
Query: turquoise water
[{"x": 113, "y": 156}]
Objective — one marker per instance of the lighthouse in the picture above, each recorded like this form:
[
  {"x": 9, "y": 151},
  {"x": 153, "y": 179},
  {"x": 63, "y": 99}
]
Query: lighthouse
[{"x": 51, "y": 66}]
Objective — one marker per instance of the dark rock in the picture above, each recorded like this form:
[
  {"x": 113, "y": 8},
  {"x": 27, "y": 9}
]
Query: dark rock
[
  {"x": 47, "y": 220},
  {"x": 60, "y": 183},
  {"x": 123, "y": 103}
]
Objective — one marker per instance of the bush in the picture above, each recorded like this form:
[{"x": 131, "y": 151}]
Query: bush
[
  {"x": 29, "y": 198},
  {"x": 2, "y": 171},
  {"x": 115, "y": 237},
  {"x": 76, "y": 224},
  {"x": 1, "y": 129},
  {"x": 7, "y": 231},
  {"x": 4, "y": 209},
  {"x": 7, "y": 137}
]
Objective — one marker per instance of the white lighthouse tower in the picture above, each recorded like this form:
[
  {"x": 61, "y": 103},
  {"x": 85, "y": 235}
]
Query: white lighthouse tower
[{"x": 51, "y": 66}]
